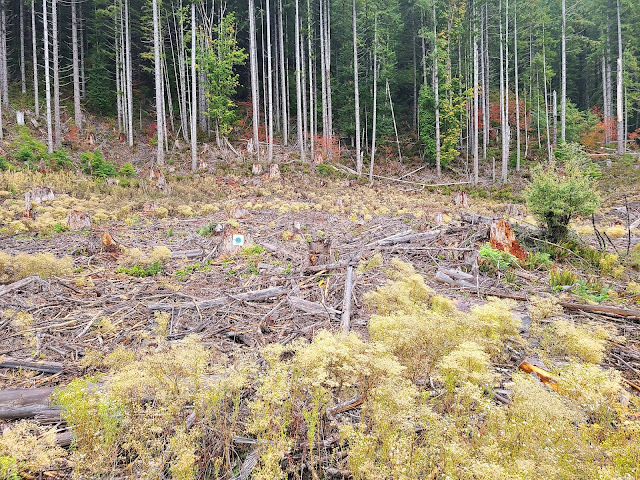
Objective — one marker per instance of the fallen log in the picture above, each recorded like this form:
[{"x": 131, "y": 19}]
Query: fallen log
[
  {"x": 27, "y": 403},
  {"x": 312, "y": 308},
  {"x": 44, "y": 367},
  {"x": 411, "y": 238},
  {"x": 188, "y": 254},
  {"x": 255, "y": 296},
  {"x": 444, "y": 278},
  {"x": 607, "y": 310},
  {"x": 21, "y": 284}
]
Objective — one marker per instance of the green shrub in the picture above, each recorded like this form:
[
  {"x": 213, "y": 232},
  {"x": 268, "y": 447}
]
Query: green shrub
[
  {"x": 59, "y": 160},
  {"x": 561, "y": 278},
  {"x": 94, "y": 163},
  {"x": 497, "y": 258},
  {"x": 4, "y": 165},
  {"x": 142, "y": 271},
  {"x": 556, "y": 195},
  {"x": 127, "y": 170}
]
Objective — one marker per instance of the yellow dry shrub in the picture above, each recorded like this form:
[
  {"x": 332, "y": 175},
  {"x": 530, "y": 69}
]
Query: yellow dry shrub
[
  {"x": 586, "y": 343},
  {"x": 467, "y": 363},
  {"x": 406, "y": 292},
  {"x": 616, "y": 231},
  {"x": 494, "y": 323},
  {"x": 633, "y": 289},
  {"x": 160, "y": 212},
  {"x": 596, "y": 390},
  {"x": 370, "y": 263},
  {"x": 23, "y": 265},
  {"x": 208, "y": 208},
  {"x": 609, "y": 265},
  {"x": 138, "y": 413},
  {"x": 27, "y": 447},
  {"x": 135, "y": 256},
  {"x": 541, "y": 308},
  {"x": 185, "y": 211}
]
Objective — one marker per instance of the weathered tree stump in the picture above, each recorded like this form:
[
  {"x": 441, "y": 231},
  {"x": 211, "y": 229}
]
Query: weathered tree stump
[
  {"x": 28, "y": 211},
  {"x": 159, "y": 179},
  {"x": 78, "y": 220},
  {"x": 256, "y": 169},
  {"x": 101, "y": 242},
  {"x": 461, "y": 199},
  {"x": 514, "y": 210},
  {"x": 42, "y": 194},
  {"x": 274, "y": 172},
  {"x": 320, "y": 251},
  {"x": 502, "y": 238}
]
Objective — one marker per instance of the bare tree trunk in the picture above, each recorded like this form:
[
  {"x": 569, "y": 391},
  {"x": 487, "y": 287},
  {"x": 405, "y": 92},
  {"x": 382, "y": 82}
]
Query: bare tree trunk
[
  {"x": 436, "y": 81},
  {"x": 129, "y": 73},
  {"x": 158, "y": 82},
  {"x": 546, "y": 96},
  {"x": 77, "y": 113},
  {"x": 507, "y": 129},
  {"x": 82, "y": 39},
  {"x": 4, "y": 70},
  {"x": 375, "y": 97},
  {"x": 485, "y": 90},
  {"x": 327, "y": 65},
  {"x": 476, "y": 119},
  {"x": 194, "y": 99},
  {"x": 255, "y": 87},
  {"x": 34, "y": 48},
  {"x": 118, "y": 59},
  {"x": 269, "y": 82},
  {"x": 47, "y": 81},
  {"x": 605, "y": 100},
  {"x": 56, "y": 74},
  {"x": 356, "y": 90},
  {"x": 563, "y": 93},
  {"x": 415, "y": 83},
  {"x": 283, "y": 80},
  {"x": 312, "y": 108},
  {"x": 619, "y": 99},
  {"x": 323, "y": 78},
  {"x": 516, "y": 86},
  {"x": 23, "y": 76},
  {"x": 299, "y": 93},
  {"x": 554, "y": 98}
]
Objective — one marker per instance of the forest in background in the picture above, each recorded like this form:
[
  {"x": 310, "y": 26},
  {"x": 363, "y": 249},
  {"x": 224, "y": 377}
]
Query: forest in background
[{"x": 386, "y": 77}]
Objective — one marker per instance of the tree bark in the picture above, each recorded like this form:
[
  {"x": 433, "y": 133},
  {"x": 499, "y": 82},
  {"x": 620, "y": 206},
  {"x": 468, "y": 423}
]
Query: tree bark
[
  {"x": 34, "y": 48},
  {"x": 129, "y": 74},
  {"x": 47, "y": 77},
  {"x": 299, "y": 93},
  {"x": 194, "y": 100},
  {"x": 476, "y": 118},
  {"x": 158, "y": 82},
  {"x": 356, "y": 92},
  {"x": 269, "y": 81},
  {"x": 619, "y": 98},
  {"x": 77, "y": 113},
  {"x": 56, "y": 74},
  {"x": 436, "y": 92},
  {"x": 4, "y": 70},
  {"x": 516, "y": 86},
  {"x": 375, "y": 97},
  {"x": 563, "y": 94},
  {"x": 283, "y": 80},
  {"x": 23, "y": 76}
]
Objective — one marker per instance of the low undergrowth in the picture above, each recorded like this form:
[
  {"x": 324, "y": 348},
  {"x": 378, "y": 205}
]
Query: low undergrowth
[{"x": 415, "y": 400}]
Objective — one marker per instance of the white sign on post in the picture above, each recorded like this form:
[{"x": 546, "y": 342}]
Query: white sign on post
[{"x": 238, "y": 240}]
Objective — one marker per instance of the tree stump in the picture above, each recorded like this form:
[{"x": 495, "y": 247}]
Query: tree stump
[
  {"x": 78, "y": 220},
  {"x": 28, "y": 212},
  {"x": 320, "y": 251},
  {"x": 100, "y": 242},
  {"x": 502, "y": 238},
  {"x": 461, "y": 199},
  {"x": 42, "y": 194},
  {"x": 274, "y": 172},
  {"x": 161, "y": 182},
  {"x": 256, "y": 169},
  {"x": 514, "y": 210}
]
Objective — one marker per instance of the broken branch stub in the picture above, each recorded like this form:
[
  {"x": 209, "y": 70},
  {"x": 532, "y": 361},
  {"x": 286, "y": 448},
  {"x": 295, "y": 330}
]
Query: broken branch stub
[{"x": 100, "y": 242}]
